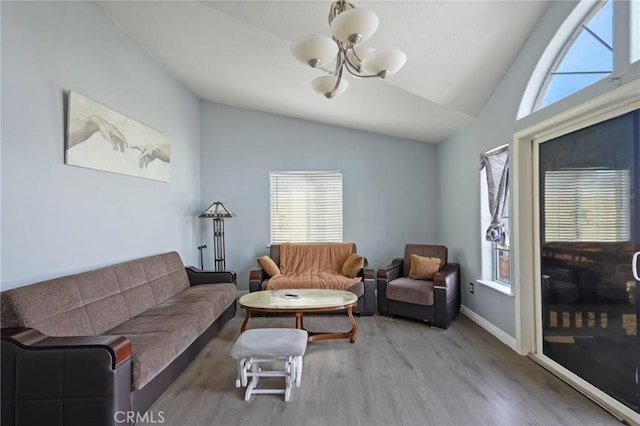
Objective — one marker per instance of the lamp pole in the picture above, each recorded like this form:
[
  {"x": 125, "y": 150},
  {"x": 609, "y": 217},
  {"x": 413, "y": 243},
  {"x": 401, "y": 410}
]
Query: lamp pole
[{"x": 218, "y": 244}]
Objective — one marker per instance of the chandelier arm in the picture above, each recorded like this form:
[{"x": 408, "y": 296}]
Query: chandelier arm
[
  {"x": 354, "y": 68},
  {"x": 328, "y": 71},
  {"x": 367, "y": 76},
  {"x": 332, "y": 93},
  {"x": 361, "y": 75},
  {"x": 340, "y": 58},
  {"x": 355, "y": 54},
  {"x": 356, "y": 71}
]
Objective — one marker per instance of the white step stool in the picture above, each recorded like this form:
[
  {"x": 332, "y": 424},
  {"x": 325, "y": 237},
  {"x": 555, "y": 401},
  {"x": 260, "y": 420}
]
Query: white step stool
[{"x": 286, "y": 345}]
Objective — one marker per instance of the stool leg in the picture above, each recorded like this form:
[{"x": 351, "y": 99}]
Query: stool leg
[
  {"x": 299, "y": 371},
  {"x": 289, "y": 377},
  {"x": 254, "y": 381},
  {"x": 246, "y": 364},
  {"x": 294, "y": 366},
  {"x": 240, "y": 368}
]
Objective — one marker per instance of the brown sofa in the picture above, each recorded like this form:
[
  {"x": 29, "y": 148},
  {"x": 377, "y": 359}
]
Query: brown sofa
[
  {"x": 320, "y": 273},
  {"x": 89, "y": 348}
]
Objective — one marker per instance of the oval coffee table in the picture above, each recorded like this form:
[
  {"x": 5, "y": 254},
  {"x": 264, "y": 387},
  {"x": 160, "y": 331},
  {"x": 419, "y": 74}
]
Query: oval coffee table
[{"x": 308, "y": 300}]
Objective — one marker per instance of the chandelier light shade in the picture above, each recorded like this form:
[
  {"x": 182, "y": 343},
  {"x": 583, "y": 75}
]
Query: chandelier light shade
[
  {"x": 384, "y": 62},
  {"x": 314, "y": 50},
  {"x": 349, "y": 27},
  {"x": 354, "y": 25},
  {"x": 325, "y": 85}
]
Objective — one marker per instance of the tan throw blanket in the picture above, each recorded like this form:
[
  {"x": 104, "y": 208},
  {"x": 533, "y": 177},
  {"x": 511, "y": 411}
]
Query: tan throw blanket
[{"x": 313, "y": 266}]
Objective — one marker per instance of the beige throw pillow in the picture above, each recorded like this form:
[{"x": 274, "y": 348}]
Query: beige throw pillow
[
  {"x": 423, "y": 268},
  {"x": 269, "y": 266},
  {"x": 352, "y": 265}
]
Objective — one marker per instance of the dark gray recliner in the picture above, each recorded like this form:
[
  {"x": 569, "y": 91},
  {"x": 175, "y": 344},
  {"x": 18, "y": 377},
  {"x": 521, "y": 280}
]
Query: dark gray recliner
[{"x": 436, "y": 301}]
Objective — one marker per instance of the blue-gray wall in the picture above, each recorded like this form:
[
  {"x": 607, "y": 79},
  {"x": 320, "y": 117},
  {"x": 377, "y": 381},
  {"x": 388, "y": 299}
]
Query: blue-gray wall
[
  {"x": 58, "y": 219},
  {"x": 389, "y": 185},
  {"x": 459, "y": 166}
]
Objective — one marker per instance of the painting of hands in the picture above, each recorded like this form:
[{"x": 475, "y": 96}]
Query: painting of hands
[{"x": 100, "y": 138}]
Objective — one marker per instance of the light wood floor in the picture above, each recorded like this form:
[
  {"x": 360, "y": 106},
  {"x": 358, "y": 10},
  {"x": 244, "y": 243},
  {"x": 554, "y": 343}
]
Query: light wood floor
[{"x": 399, "y": 372}]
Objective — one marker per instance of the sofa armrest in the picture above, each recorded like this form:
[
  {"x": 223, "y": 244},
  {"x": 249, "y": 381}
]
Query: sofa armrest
[
  {"x": 391, "y": 271},
  {"x": 63, "y": 381},
  {"x": 119, "y": 347},
  {"x": 368, "y": 274},
  {"x": 446, "y": 294},
  {"x": 256, "y": 277},
  {"x": 199, "y": 276},
  {"x": 385, "y": 274},
  {"x": 448, "y": 277},
  {"x": 367, "y": 304}
]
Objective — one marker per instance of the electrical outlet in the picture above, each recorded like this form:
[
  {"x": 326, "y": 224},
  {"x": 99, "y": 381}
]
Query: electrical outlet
[{"x": 471, "y": 288}]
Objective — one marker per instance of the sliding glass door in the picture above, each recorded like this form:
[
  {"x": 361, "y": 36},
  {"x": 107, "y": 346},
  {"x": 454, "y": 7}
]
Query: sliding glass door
[{"x": 589, "y": 231}]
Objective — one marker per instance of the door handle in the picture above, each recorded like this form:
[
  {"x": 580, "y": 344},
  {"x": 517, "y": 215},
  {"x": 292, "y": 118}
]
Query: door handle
[{"x": 634, "y": 266}]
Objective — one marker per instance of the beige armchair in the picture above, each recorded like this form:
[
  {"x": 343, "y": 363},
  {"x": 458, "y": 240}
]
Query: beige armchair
[{"x": 435, "y": 300}]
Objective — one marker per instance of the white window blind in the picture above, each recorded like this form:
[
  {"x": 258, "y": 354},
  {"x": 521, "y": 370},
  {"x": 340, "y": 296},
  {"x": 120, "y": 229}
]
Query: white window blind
[
  {"x": 587, "y": 205},
  {"x": 306, "y": 206}
]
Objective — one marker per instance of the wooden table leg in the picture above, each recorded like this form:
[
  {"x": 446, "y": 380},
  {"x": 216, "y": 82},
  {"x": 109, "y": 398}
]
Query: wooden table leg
[
  {"x": 354, "y": 329},
  {"x": 246, "y": 319},
  {"x": 299, "y": 321},
  {"x": 351, "y": 334}
]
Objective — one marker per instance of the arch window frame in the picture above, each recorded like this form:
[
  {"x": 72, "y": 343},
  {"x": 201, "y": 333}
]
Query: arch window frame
[
  {"x": 626, "y": 55},
  {"x": 582, "y": 26}
]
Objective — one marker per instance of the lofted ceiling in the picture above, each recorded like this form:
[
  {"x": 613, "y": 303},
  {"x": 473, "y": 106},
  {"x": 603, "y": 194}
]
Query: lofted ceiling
[{"x": 238, "y": 53}]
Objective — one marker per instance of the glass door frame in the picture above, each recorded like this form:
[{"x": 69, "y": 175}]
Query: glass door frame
[{"x": 526, "y": 229}]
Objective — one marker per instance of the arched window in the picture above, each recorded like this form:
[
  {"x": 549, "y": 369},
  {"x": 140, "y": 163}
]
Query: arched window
[
  {"x": 598, "y": 41},
  {"x": 586, "y": 58}
]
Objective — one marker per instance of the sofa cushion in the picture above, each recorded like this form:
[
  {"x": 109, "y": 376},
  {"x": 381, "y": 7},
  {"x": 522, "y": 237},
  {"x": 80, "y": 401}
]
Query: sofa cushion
[
  {"x": 422, "y": 250},
  {"x": 155, "y": 342},
  {"x": 417, "y": 292},
  {"x": 352, "y": 265},
  {"x": 269, "y": 266},
  {"x": 93, "y": 302},
  {"x": 163, "y": 332},
  {"x": 424, "y": 268},
  {"x": 310, "y": 279},
  {"x": 357, "y": 288},
  {"x": 205, "y": 302}
]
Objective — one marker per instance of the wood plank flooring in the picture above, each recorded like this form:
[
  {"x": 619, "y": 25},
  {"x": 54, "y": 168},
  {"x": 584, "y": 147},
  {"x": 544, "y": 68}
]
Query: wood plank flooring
[{"x": 399, "y": 372}]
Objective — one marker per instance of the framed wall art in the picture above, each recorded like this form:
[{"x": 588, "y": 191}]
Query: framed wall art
[{"x": 99, "y": 138}]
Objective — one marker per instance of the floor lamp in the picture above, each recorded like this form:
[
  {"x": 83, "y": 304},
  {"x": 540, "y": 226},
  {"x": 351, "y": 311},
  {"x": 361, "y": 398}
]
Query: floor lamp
[{"x": 218, "y": 212}]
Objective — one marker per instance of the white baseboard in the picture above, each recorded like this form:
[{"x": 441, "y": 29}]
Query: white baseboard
[{"x": 495, "y": 331}]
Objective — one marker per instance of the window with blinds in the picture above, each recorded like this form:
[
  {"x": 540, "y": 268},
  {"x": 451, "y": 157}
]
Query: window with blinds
[
  {"x": 306, "y": 206},
  {"x": 587, "y": 205}
]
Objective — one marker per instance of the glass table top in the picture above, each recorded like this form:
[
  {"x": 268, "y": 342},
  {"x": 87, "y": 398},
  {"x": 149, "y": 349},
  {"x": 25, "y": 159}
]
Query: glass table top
[{"x": 298, "y": 299}]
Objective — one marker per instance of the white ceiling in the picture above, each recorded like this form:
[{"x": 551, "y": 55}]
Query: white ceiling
[{"x": 238, "y": 53}]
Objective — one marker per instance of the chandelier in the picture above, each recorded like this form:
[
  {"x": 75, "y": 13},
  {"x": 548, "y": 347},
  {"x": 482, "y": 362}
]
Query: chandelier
[{"x": 349, "y": 27}]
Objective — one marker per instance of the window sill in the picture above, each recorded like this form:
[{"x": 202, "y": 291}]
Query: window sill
[{"x": 504, "y": 289}]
